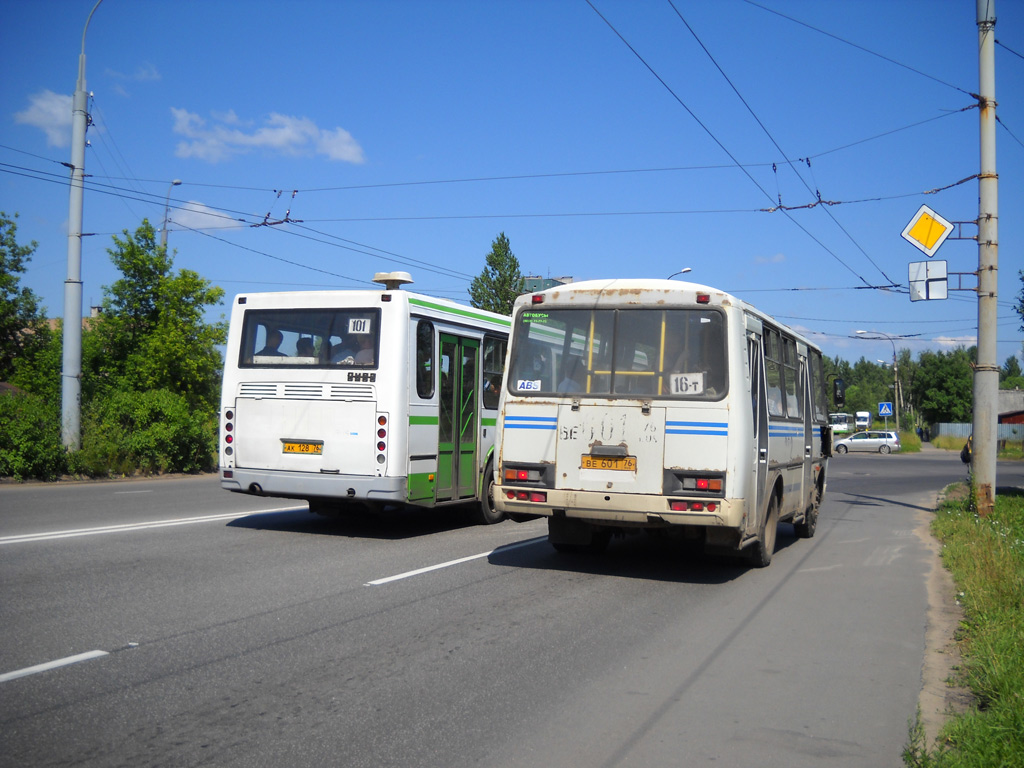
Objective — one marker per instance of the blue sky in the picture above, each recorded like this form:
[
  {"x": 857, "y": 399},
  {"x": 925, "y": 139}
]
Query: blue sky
[{"x": 408, "y": 135}]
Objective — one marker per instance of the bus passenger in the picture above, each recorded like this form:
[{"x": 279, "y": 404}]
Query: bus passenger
[
  {"x": 304, "y": 347},
  {"x": 274, "y": 339},
  {"x": 573, "y": 372},
  {"x": 365, "y": 354}
]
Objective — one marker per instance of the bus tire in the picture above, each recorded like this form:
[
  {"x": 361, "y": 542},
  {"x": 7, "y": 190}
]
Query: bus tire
[
  {"x": 329, "y": 508},
  {"x": 567, "y": 535},
  {"x": 805, "y": 529},
  {"x": 761, "y": 553},
  {"x": 487, "y": 514}
]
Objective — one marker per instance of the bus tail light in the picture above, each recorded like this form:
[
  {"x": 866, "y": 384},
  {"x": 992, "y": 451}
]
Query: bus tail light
[
  {"x": 537, "y": 475},
  {"x": 692, "y": 506},
  {"x": 522, "y": 476},
  {"x": 229, "y": 428},
  {"x": 534, "y": 496},
  {"x": 382, "y": 433},
  {"x": 701, "y": 483}
]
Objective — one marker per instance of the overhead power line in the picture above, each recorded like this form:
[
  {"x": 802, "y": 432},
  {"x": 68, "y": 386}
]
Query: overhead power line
[
  {"x": 722, "y": 146},
  {"x": 861, "y": 48},
  {"x": 771, "y": 138}
]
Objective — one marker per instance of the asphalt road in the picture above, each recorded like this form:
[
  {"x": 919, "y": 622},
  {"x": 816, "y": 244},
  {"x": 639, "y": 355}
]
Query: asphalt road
[{"x": 226, "y": 630}]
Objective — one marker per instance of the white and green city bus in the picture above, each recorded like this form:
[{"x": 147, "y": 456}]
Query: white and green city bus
[
  {"x": 652, "y": 404},
  {"x": 364, "y": 397}
]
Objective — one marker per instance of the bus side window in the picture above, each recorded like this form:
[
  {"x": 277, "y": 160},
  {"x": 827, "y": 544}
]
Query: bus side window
[
  {"x": 494, "y": 367},
  {"x": 425, "y": 359},
  {"x": 773, "y": 372}
]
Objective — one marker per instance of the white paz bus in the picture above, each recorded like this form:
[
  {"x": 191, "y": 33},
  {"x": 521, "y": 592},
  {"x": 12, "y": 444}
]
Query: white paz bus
[
  {"x": 651, "y": 404},
  {"x": 368, "y": 397}
]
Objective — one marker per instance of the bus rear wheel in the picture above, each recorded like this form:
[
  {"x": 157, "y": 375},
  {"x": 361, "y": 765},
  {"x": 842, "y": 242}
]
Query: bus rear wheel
[
  {"x": 487, "y": 514},
  {"x": 567, "y": 535},
  {"x": 761, "y": 553},
  {"x": 805, "y": 530}
]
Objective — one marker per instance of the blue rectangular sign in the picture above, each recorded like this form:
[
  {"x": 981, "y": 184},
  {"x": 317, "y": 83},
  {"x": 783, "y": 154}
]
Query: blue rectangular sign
[{"x": 885, "y": 409}]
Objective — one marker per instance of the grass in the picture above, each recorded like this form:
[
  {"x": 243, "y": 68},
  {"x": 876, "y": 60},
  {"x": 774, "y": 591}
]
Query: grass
[
  {"x": 986, "y": 559},
  {"x": 1007, "y": 449}
]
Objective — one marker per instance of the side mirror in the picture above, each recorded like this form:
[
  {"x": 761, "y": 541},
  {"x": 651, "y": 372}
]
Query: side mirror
[{"x": 839, "y": 392}]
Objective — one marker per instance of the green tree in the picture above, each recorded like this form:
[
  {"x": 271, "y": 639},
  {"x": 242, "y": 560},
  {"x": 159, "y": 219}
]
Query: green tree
[
  {"x": 944, "y": 385},
  {"x": 152, "y": 333},
  {"x": 22, "y": 331},
  {"x": 496, "y": 288},
  {"x": 151, "y": 367},
  {"x": 1010, "y": 377}
]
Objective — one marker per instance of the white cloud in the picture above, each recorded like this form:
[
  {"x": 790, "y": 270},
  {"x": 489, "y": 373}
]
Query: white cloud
[
  {"x": 226, "y": 135},
  {"x": 194, "y": 215},
  {"x": 144, "y": 73},
  {"x": 952, "y": 342},
  {"x": 51, "y": 113},
  {"x": 778, "y": 258}
]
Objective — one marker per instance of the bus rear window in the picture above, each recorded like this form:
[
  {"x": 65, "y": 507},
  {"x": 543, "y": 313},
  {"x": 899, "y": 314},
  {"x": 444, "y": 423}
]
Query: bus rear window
[
  {"x": 296, "y": 338},
  {"x": 619, "y": 353}
]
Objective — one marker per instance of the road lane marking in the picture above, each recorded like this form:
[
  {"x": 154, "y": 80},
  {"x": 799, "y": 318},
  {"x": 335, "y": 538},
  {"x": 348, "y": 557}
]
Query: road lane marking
[
  {"x": 26, "y": 537},
  {"x": 439, "y": 566},
  {"x": 52, "y": 665}
]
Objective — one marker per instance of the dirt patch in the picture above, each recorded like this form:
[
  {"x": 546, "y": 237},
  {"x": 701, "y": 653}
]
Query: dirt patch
[{"x": 939, "y": 698}]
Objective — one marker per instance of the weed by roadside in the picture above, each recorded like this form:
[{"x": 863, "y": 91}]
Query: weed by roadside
[{"x": 986, "y": 559}]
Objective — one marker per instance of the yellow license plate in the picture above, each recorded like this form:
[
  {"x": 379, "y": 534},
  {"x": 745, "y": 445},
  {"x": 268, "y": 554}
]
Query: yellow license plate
[
  {"x": 303, "y": 447},
  {"x": 620, "y": 463}
]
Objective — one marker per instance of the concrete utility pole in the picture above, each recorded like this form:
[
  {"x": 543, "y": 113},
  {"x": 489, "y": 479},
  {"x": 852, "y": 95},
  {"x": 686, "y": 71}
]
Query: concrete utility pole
[
  {"x": 71, "y": 367},
  {"x": 986, "y": 373}
]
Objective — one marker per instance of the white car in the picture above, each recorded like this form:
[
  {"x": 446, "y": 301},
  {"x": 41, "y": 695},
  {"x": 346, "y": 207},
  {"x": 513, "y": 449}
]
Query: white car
[{"x": 873, "y": 441}]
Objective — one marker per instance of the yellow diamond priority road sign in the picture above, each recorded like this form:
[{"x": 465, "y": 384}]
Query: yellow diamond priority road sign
[{"x": 927, "y": 231}]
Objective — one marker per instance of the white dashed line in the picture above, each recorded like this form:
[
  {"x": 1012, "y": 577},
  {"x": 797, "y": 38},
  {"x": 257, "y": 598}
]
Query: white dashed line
[
  {"x": 429, "y": 568},
  {"x": 131, "y": 526},
  {"x": 52, "y": 665}
]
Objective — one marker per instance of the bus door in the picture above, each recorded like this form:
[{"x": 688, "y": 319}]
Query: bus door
[
  {"x": 457, "y": 418},
  {"x": 807, "y": 491},
  {"x": 759, "y": 405}
]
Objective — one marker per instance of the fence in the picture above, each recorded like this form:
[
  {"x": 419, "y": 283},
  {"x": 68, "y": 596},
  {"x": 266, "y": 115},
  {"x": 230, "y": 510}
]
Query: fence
[{"x": 1014, "y": 432}]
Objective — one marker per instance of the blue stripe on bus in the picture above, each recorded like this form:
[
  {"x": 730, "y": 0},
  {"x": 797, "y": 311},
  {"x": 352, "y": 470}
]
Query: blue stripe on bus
[
  {"x": 531, "y": 422},
  {"x": 714, "y": 428}
]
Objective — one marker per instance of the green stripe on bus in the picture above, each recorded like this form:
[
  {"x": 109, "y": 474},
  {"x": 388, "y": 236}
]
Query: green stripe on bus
[
  {"x": 489, "y": 422},
  {"x": 429, "y": 420},
  {"x": 463, "y": 312}
]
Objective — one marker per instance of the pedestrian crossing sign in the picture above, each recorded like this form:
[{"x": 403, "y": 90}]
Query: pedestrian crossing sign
[{"x": 885, "y": 409}]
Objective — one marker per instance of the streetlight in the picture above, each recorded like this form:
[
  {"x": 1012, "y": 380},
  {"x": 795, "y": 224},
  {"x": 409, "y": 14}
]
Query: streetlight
[
  {"x": 895, "y": 375},
  {"x": 167, "y": 210},
  {"x": 680, "y": 272}
]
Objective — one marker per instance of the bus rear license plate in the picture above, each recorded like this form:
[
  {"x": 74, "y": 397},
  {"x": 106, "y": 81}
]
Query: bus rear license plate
[
  {"x": 308, "y": 448},
  {"x": 621, "y": 463}
]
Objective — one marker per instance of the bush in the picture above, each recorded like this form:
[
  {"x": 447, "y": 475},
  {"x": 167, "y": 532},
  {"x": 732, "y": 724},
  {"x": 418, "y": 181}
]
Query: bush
[
  {"x": 153, "y": 431},
  {"x": 30, "y": 441}
]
